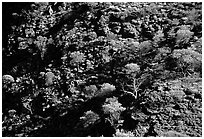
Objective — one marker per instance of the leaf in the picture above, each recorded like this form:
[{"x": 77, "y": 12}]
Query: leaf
[
  {"x": 90, "y": 90},
  {"x": 145, "y": 46},
  {"x": 183, "y": 36},
  {"x": 106, "y": 90},
  {"x": 77, "y": 57},
  {"x": 89, "y": 118},
  {"x": 132, "y": 69},
  {"x": 122, "y": 133},
  {"x": 187, "y": 58},
  {"x": 23, "y": 45},
  {"x": 113, "y": 108},
  {"x": 49, "y": 77}
]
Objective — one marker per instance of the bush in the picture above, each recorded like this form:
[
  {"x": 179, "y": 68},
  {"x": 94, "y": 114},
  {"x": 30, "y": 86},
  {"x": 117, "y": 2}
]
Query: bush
[{"x": 73, "y": 69}]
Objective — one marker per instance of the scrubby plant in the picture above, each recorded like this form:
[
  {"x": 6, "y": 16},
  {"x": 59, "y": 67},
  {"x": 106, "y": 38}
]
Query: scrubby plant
[
  {"x": 188, "y": 60},
  {"x": 112, "y": 108},
  {"x": 90, "y": 69}
]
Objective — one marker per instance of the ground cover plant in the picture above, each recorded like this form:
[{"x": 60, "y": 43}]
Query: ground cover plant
[{"x": 102, "y": 69}]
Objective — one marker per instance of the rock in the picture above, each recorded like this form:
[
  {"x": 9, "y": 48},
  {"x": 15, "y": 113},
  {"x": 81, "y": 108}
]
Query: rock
[{"x": 8, "y": 79}]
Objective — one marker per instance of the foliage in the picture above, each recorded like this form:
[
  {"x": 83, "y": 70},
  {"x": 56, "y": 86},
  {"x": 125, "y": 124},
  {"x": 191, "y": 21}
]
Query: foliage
[
  {"x": 113, "y": 109},
  {"x": 123, "y": 134},
  {"x": 188, "y": 60},
  {"x": 91, "y": 69},
  {"x": 89, "y": 118}
]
